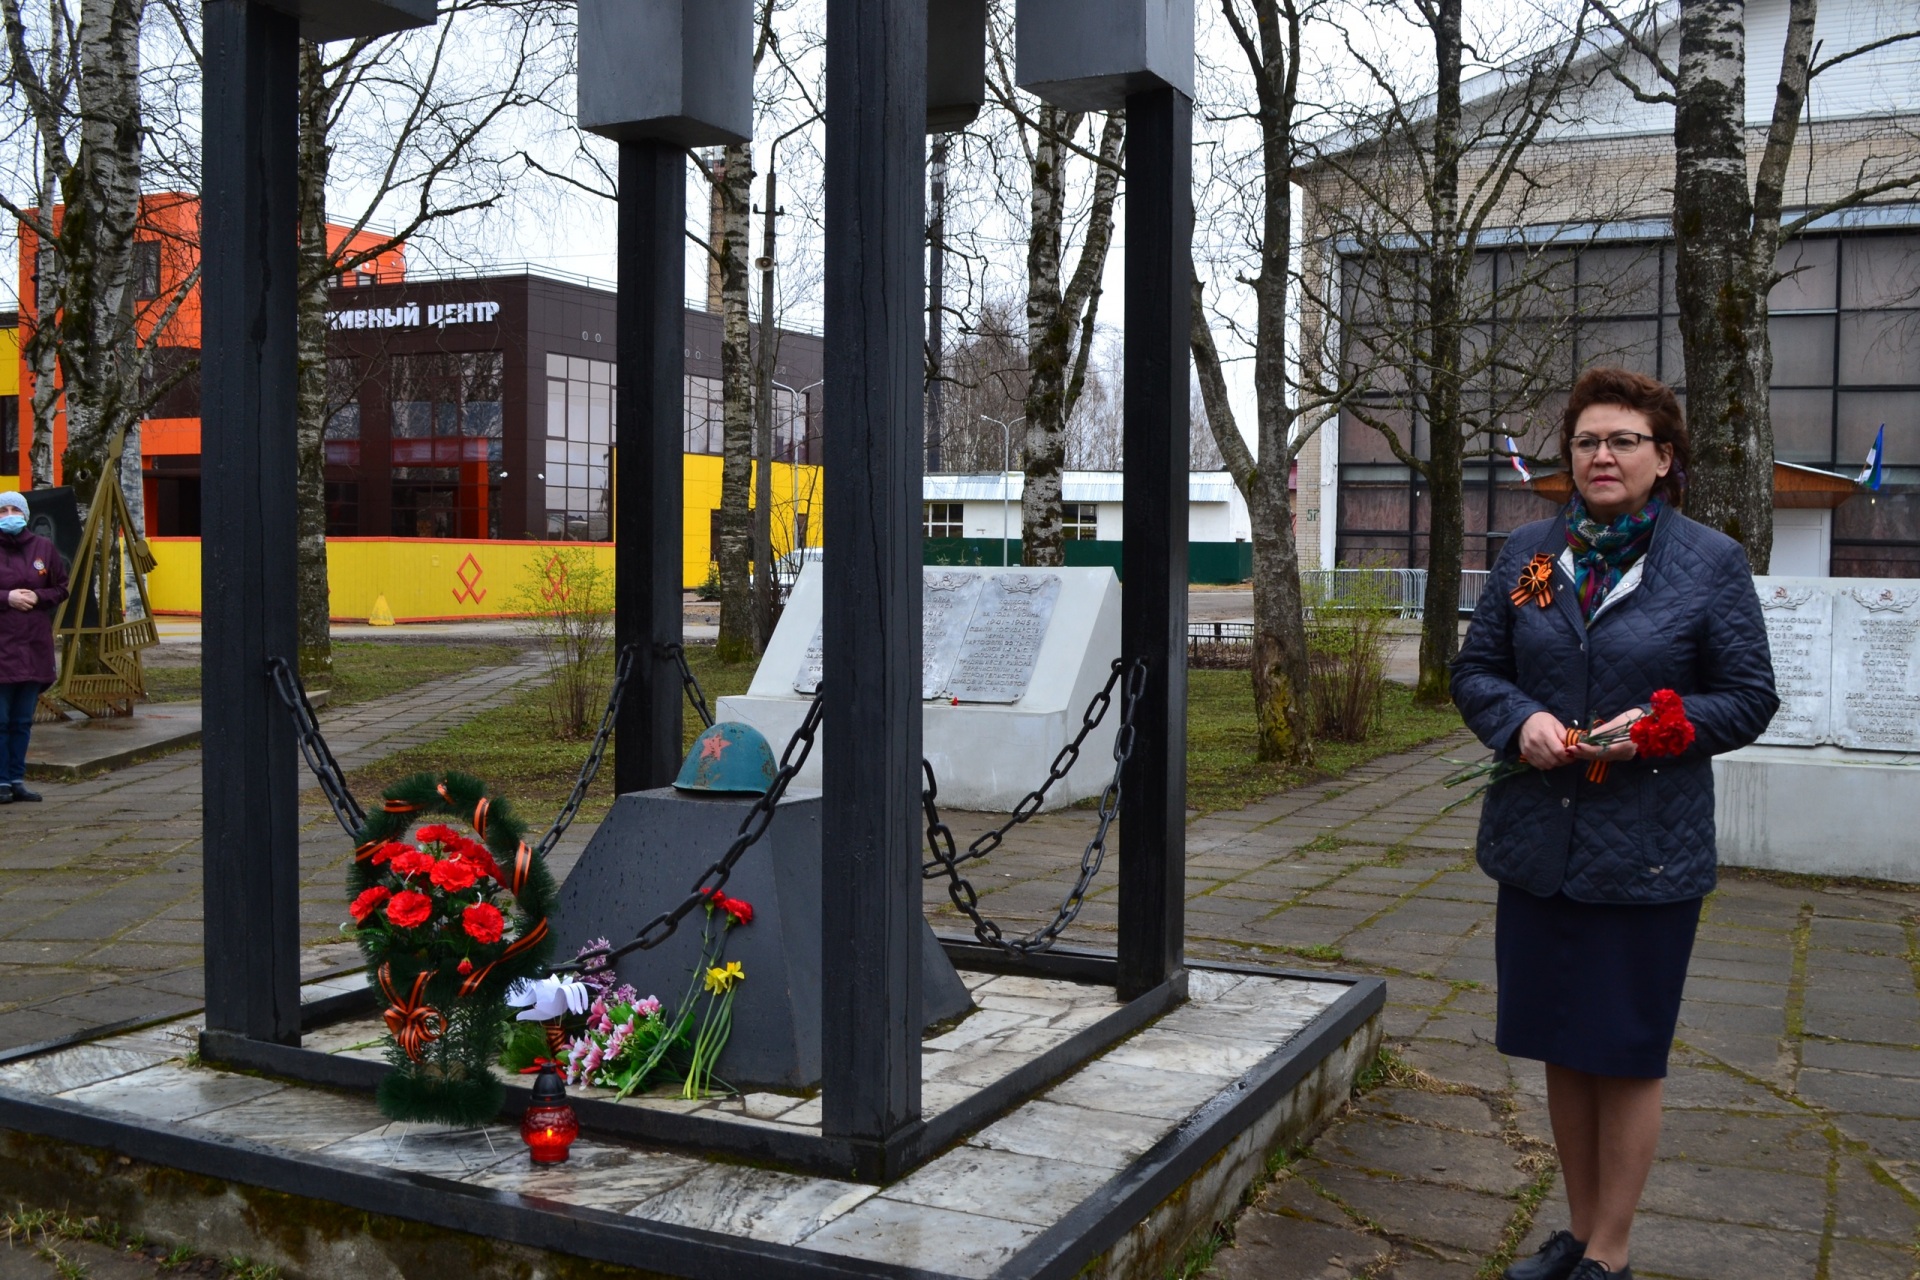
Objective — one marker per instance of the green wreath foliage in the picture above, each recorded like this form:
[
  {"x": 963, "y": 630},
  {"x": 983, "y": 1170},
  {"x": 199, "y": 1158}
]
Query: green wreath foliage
[{"x": 444, "y": 985}]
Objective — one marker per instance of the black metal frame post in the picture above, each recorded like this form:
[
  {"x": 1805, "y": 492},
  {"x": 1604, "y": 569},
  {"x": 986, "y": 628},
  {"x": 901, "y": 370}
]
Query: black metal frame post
[
  {"x": 875, "y": 201},
  {"x": 1153, "y": 601},
  {"x": 648, "y": 490},
  {"x": 251, "y": 828}
]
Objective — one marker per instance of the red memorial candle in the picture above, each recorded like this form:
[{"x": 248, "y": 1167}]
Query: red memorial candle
[{"x": 549, "y": 1125}]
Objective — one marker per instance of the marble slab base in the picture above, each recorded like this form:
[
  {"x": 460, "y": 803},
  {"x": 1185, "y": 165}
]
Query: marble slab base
[
  {"x": 1109, "y": 1174},
  {"x": 1819, "y": 811}
]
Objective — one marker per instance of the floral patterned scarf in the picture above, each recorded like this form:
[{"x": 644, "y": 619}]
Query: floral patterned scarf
[{"x": 1603, "y": 552}]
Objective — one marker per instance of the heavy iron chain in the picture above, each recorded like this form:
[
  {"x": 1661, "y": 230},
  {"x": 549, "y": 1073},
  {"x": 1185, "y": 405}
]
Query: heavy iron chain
[
  {"x": 313, "y": 746},
  {"x": 947, "y": 861},
  {"x": 622, "y": 676},
  {"x": 348, "y": 812},
  {"x": 689, "y": 682},
  {"x": 714, "y": 878}
]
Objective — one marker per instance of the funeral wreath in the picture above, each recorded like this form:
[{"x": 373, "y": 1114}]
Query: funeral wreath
[{"x": 447, "y": 922}]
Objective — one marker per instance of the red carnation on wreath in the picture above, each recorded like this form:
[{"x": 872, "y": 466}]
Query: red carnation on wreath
[
  {"x": 453, "y": 875},
  {"x": 447, "y": 924},
  {"x": 412, "y": 862},
  {"x": 409, "y": 910},
  {"x": 369, "y": 901},
  {"x": 483, "y": 922}
]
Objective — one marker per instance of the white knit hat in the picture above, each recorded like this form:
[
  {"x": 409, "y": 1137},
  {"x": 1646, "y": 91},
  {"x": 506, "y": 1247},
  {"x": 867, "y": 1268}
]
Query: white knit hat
[{"x": 12, "y": 498}]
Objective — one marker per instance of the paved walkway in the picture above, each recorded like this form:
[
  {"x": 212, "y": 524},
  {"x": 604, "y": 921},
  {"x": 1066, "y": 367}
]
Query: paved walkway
[
  {"x": 1792, "y": 1146},
  {"x": 1792, "y": 1143},
  {"x": 100, "y": 885}
]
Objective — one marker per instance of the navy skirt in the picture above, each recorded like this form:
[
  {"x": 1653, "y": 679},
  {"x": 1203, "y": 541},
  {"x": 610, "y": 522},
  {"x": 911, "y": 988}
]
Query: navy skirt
[{"x": 1591, "y": 986}]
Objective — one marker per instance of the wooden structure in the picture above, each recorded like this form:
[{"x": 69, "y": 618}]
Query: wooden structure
[{"x": 91, "y": 628}]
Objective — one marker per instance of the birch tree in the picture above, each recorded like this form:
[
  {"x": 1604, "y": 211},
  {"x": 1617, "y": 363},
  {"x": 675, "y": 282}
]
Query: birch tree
[
  {"x": 1729, "y": 227},
  {"x": 730, "y": 249},
  {"x": 81, "y": 83},
  {"x": 1060, "y": 319}
]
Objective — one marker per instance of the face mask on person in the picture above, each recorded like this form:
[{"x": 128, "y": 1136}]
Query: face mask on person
[{"x": 12, "y": 522}]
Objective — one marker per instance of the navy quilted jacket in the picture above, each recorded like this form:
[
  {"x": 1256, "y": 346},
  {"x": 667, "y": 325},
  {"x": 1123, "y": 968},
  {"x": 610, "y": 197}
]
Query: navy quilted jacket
[{"x": 1645, "y": 833}]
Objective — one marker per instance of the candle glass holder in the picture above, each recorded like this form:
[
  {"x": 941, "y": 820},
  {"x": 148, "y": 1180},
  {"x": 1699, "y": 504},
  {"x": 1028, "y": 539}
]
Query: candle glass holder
[{"x": 549, "y": 1125}]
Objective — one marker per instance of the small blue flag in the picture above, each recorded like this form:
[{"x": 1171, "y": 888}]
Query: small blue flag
[{"x": 1870, "y": 475}]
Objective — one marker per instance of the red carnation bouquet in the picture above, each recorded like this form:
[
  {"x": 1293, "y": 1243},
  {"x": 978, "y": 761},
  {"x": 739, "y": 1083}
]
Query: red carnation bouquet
[
  {"x": 1662, "y": 732},
  {"x": 443, "y": 892}
]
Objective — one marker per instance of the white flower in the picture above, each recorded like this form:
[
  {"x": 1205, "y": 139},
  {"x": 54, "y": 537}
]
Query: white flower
[{"x": 544, "y": 998}]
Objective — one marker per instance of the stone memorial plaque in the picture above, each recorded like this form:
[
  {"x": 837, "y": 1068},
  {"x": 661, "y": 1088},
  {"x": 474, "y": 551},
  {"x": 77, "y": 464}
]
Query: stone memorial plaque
[
  {"x": 1876, "y": 666},
  {"x": 1002, "y": 640},
  {"x": 1800, "y": 636},
  {"x": 946, "y": 603},
  {"x": 808, "y": 678}
]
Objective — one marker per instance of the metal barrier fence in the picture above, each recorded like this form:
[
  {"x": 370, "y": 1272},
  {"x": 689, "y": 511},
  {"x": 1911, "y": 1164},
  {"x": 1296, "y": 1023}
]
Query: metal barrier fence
[
  {"x": 1472, "y": 582},
  {"x": 1402, "y": 590}
]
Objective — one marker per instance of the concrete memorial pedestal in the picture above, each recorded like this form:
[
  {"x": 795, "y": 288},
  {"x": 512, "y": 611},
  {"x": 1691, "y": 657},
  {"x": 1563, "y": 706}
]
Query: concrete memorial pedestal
[
  {"x": 1010, "y": 659},
  {"x": 652, "y": 847},
  {"x": 1833, "y": 786}
]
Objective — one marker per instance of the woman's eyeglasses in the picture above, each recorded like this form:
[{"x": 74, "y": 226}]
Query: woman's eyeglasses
[{"x": 1620, "y": 443}]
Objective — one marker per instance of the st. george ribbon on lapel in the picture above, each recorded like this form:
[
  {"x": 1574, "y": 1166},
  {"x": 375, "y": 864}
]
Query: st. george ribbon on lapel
[{"x": 1536, "y": 582}]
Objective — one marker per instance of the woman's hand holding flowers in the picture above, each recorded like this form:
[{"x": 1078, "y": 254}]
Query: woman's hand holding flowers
[
  {"x": 1543, "y": 741},
  {"x": 1618, "y": 743}
]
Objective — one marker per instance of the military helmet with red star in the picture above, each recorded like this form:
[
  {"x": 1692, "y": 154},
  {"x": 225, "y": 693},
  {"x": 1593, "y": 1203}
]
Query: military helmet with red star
[{"x": 729, "y": 757}]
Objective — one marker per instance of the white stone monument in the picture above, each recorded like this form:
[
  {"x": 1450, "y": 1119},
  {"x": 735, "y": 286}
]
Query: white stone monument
[
  {"x": 1833, "y": 786},
  {"x": 1010, "y": 659}
]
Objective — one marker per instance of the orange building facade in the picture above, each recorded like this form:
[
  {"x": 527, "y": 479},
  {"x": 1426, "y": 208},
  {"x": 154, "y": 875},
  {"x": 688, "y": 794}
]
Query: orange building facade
[{"x": 165, "y": 255}]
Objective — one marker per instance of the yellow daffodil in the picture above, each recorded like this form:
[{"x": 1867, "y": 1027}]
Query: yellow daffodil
[{"x": 719, "y": 980}]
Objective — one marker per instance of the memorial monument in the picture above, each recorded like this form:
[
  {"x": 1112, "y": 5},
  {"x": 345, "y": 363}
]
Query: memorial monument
[
  {"x": 1247, "y": 1059},
  {"x": 1009, "y": 661},
  {"x": 1838, "y": 769}
]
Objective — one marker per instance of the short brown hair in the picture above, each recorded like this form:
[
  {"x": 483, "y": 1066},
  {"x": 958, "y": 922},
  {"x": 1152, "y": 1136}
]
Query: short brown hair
[{"x": 1649, "y": 397}]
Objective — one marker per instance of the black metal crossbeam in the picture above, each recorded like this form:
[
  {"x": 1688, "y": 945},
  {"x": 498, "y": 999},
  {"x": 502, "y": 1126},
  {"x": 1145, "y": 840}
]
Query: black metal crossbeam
[
  {"x": 251, "y": 831},
  {"x": 875, "y": 201}
]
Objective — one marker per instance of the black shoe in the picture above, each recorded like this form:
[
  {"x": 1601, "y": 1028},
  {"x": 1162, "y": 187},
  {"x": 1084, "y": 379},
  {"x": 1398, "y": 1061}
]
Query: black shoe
[
  {"x": 20, "y": 792},
  {"x": 1555, "y": 1260},
  {"x": 6, "y": 794},
  {"x": 1588, "y": 1269}
]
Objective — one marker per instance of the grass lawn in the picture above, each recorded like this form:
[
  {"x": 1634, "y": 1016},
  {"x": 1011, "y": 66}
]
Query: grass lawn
[
  {"x": 1223, "y": 771},
  {"x": 362, "y": 669},
  {"x": 513, "y": 748}
]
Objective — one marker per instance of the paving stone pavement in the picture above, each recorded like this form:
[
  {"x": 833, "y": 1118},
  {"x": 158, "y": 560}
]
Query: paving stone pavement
[
  {"x": 1792, "y": 1145},
  {"x": 100, "y": 885},
  {"x": 1792, "y": 1141}
]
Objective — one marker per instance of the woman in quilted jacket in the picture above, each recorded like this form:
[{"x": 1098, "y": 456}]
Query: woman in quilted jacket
[{"x": 1602, "y": 872}]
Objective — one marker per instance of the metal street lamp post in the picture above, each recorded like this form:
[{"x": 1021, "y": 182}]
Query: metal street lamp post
[{"x": 1006, "y": 468}]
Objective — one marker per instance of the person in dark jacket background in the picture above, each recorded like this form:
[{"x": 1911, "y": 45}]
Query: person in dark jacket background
[
  {"x": 1601, "y": 882},
  {"x": 33, "y": 582}
]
